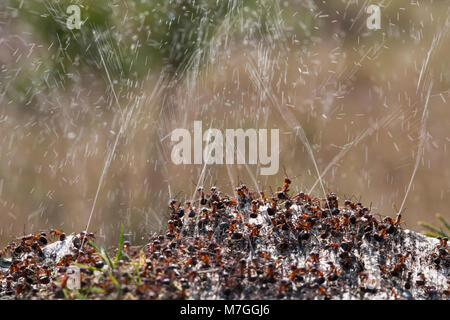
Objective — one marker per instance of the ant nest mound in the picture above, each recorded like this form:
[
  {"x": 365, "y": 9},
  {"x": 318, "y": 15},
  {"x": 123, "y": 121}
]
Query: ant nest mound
[{"x": 247, "y": 247}]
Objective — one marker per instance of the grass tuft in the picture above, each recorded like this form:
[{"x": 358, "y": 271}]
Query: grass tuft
[{"x": 435, "y": 231}]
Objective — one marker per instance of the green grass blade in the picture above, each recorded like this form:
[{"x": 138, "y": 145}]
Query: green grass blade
[
  {"x": 96, "y": 290},
  {"x": 80, "y": 265},
  {"x": 99, "y": 252},
  {"x": 139, "y": 276},
  {"x": 108, "y": 259},
  {"x": 429, "y": 234},
  {"x": 114, "y": 280},
  {"x": 444, "y": 222},
  {"x": 133, "y": 278},
  {"x": 95, "y": 247},
  {"x": 432, "y": 229},
  {"x": 119, "y": 252}
]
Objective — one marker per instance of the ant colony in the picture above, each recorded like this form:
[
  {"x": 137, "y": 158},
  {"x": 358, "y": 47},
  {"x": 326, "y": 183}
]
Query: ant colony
[{"x": 215, "y": 150}]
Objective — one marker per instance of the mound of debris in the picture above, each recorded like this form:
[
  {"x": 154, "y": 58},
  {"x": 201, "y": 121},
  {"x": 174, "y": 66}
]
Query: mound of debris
[{"x": 243, "y": 247}]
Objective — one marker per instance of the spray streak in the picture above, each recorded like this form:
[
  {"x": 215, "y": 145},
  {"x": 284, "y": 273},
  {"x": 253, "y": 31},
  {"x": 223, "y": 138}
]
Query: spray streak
[
  {"x": 291, "y": 120},
  {"x": 420, "y": 148},
  {"x": 425, "y": 63},
  {"x": 122, "y": 129},
  {"x": 112, "y": 151},
  {"x": 108, "y": 162},
  {"x": 384, "y": 122}
]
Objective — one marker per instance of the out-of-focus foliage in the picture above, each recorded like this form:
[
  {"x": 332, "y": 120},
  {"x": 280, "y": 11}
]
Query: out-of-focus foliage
[
  {"x": 433, "y": 231},
  {"x": 124, "y": 40},
  {"x": 133, "y": 36}
]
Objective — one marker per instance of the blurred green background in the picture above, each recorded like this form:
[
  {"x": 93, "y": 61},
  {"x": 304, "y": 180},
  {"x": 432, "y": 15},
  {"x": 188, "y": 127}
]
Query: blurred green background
[{"x": 136, "y": 70}]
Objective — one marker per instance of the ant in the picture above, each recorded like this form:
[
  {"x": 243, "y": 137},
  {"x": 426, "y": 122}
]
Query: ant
[
  {"x": 286, "y": 185},
  {"x": 422, "y": 280},
  {"x": 254, "y": 213},
  {"x": 443, "y": 242},
  {"x": 273, "y": 207},
  {"x": 350, "y": 204},
  {"x": 203, "y": 200},
  {"x": 301, "y": 196},
  {"x": 398, "y": 219},
  {"x": 62, "y": 236},
  {"x": 172, "y": 205},
  {"x": 332, "y": 201}
]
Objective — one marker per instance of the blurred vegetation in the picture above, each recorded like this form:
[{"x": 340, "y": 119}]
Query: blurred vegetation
[
  {"x": 125, "y": 42},
  {"x": 433, "y": 231},
  {"x": 130, "y": 38}
]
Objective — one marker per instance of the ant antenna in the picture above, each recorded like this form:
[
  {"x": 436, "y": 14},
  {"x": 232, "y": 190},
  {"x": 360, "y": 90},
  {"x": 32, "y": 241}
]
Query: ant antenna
[
  {"x": 395, "y": 207},
  {"x": 285, "y": 173}
]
